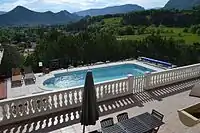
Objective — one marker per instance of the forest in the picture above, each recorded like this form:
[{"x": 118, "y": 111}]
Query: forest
[{"x": 168, "y": 35}]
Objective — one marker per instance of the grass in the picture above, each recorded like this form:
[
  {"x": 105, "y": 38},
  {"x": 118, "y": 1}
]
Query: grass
[
  {"x": 177, "y": 34},
  {"x": 113, "y": 21}
]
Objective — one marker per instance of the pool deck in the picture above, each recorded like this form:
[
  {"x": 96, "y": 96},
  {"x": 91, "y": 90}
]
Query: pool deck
[
  {"x": 40, "y": 78},
  {"x": 167, "y": 100},
  {"x": 175, "y": 98}
]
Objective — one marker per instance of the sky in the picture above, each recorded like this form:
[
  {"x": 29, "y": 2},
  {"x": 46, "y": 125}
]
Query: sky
[{"x": 74, "y": 5}]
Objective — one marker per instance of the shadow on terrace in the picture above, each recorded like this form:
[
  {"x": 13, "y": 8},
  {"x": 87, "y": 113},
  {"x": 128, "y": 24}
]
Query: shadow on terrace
[{"x": 65, "y": 118}]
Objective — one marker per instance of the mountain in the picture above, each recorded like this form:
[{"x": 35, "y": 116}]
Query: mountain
[
  {"x": 181, "y": 4},
  {"x": 110, "y": 10},
  {"x": 1, "y": 12},
  {"x": 23, "y": 16}
]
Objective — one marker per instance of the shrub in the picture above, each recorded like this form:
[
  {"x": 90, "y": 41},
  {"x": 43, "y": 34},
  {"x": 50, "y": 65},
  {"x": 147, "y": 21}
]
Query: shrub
[
  {"x": 185, "y": 30},
  {"x": 198, "y": 32}
]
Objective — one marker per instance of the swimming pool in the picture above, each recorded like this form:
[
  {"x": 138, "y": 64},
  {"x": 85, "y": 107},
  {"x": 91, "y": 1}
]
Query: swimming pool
[{"x": 77, "y": 78}]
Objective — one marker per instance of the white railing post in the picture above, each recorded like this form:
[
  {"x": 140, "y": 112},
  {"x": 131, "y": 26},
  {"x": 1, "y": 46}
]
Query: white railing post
[
  {"x": 130, "y": 83},
  {"x": 147, "y": 82}
]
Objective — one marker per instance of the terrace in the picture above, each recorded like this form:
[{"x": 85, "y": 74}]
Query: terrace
[{"x": 59, "y": 110}]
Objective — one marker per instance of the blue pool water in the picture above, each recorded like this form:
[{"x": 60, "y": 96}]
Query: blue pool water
[{"x": 77, "y": 78}]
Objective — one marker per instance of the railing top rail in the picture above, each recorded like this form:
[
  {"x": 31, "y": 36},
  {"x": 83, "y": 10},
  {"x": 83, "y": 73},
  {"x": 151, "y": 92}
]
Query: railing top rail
[{"x": 111, "y": 81}]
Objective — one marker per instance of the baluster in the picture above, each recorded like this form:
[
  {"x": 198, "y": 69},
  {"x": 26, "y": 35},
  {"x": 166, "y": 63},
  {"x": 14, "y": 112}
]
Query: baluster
[
  {"x": 21, "y": 109},
  {"x": 38, "y": 105},
  {"x": 168, "y": 77},
  {"x": 64, "y": 118},
  {"x": 49, "y": 102},
  {"x": 161, "y": 78},
  {"x": 73, "y": 115},
  {"x": 119, "y": 87},
  {"x": 30, "y": 106},
  {"x": 69, "y": 98},
  {"x": 153, "y": 80},
  {"x": 55, "y": 101},
  {"x": 123, "y": 87},
  {"x": 172, "y": 76},
  {"x": 97, "y": 91},
  {"x": 109, "y": 89},
  {"x": 179, "y": 75},
  {"x": 103, "y": 91},
  {"x": 114, "y": 89},
  {"x": 4, "y": 111},
  {"x": 138, "y": 82},
  {"x": 165, "y": 79},
  {"x": 77, "y": 97},
  {"x": 69, "y": 117},
  {"x": 142, "y": 83},
  {"x": 73, "y": 98},
  {"x": 17, "y": 108},
  {"x": 182, "y": 74},
  {"x": 175, "y": 75},
  {"x": 44, "y": 104},
  {"x": 34, "y": 105},
  {"x": 26, "y": 108},
  {"x": 13, "y": 110},
  {"x": 66, "y": 99},
  {"x": 106, "y": 89},
  {"x": 81, "y": 96},
  {"x": 59, "y": 100}
]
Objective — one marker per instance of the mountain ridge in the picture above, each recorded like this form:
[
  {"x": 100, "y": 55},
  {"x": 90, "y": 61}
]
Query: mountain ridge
[
  {"x": 24, "y": 16},
  {"x": 184, "y": 4},
  {"x": 110, "y": 10},
  {"x": 2, "y": 12}
]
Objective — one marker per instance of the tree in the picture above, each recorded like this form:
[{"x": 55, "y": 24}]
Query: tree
[
  {"x": 185, "y": 30},
  {"x": 198, "y": 31},
  {"x": 11, "y": 59}
]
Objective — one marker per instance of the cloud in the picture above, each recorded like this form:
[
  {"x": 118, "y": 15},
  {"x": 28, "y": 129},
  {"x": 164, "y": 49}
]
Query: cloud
[{"x": 74, "y": 5}]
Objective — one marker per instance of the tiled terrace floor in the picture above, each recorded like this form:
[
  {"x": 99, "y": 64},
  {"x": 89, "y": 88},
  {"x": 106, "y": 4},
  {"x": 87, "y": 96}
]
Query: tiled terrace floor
[{"x": 166, "y": 100}]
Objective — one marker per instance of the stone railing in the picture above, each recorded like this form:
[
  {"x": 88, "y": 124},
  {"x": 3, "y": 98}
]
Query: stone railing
[{"x": 27, "y": 107}]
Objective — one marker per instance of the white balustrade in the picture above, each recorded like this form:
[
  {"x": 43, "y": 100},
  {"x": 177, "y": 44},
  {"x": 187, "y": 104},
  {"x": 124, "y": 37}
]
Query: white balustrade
[
  {"x": 27, "y": 107},
  {"x": 171, "y": 76},
  {"x": 112, "y": 89},
  {"x": 139, "y": 83}
]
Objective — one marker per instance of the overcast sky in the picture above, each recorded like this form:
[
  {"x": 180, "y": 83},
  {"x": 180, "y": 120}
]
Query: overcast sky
[{"x": 74, "y": 5}]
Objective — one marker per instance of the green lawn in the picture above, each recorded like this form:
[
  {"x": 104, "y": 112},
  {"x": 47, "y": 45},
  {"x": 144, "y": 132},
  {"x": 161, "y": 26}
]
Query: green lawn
[
  {"x": 177, "y": 34},
  {"x": 113, "y": 21}
]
